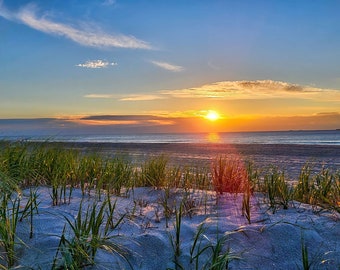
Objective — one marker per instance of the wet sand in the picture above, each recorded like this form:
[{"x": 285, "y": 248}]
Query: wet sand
[{"x": 289, "y": 157}]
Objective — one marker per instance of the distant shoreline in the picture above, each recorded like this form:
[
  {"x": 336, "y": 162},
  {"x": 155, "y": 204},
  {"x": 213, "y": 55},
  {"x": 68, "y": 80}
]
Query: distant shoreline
[
  {"x": 246, "y": 149},
  {"x": 290, "y": 157}
]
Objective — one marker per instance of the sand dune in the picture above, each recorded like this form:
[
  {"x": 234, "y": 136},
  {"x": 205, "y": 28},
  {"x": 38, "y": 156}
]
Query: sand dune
[{"x": 271, "y": 241}]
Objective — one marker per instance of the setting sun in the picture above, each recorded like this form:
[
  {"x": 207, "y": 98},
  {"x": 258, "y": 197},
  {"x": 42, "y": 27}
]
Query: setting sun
[{"x": 212, "y": 116}]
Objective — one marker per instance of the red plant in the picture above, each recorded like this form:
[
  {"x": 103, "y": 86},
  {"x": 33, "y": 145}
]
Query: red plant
[{"x": 229, "y": 175}]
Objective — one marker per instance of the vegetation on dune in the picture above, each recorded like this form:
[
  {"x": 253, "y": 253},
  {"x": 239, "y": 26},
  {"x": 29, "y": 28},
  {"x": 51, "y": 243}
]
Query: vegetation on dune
[
  {"x": 80, "y": 250},
  {"x": 28, "y": 165},
  {"x": 229, "y": 175}
]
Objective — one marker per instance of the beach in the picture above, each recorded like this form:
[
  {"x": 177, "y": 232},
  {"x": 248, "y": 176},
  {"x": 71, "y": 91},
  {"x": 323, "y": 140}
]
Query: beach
[
  {"x": 271, "y": 241},
  {"x": 169, "y": 135},
  {"x": 167, "y": 225},
  {"x": 288, "y": 157}
]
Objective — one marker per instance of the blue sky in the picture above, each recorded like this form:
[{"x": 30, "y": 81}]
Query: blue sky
[{"x": 254, "y": 62}]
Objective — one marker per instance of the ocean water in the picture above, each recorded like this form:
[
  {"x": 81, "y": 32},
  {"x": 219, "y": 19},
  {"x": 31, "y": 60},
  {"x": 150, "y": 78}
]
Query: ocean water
[{"x": 321, "y": 137}]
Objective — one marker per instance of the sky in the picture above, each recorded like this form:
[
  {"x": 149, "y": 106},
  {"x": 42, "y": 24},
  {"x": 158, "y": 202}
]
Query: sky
[{"x": 162, "y": 66}]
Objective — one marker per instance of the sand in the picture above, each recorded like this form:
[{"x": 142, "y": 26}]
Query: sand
[
  {"x": 271, "y": 241},
  {"x": 288, "y": 157}
]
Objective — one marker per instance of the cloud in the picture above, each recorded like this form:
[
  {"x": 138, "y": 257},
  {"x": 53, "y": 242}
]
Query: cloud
[
  {"x": 260, "y": 89},
  {"x": 235, "y": 90},
  {"x": 82, "y": 35},
  {"x": 4, "y": 12},
  {"x": 117, "y": 120},
  {"x": 320, "y": 121},
  {"x": 99, "y": 96},
  {"x": 328, "y": 114},
  {"x": 110, "y": 117},
  {"x": 109, "y": 3},
  {"x": 167, "y": 66},
  {"x": 137, "y": 97},
  {"x": 141, "y": 97},
  {"x": 96, "y": 64},
  {"x": 191, "y": 121}
]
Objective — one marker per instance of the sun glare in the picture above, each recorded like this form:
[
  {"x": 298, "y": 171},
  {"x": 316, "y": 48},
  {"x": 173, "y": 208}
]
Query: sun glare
[{"x": 212, "y": 116}]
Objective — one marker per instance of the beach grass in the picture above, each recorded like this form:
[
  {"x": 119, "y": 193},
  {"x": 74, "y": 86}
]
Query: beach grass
[
  {"x": 175, "y": 239},
  {"x": 30, "y": 164},
  {"x": 278, "y": 189},
  {"x": 229, "y": 175},
  {"x": 27, "y": 165},
  {"x": 154, "y": 172},
  {"x": 9, "y": 216},
  {"x": 87, "y": 236}
]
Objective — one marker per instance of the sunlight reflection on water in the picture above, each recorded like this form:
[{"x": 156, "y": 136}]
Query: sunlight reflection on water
[{"x": 214, "y": 137}]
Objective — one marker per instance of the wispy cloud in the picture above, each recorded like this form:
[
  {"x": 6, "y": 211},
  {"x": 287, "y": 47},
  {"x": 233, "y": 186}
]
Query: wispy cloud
[
  {"x": 99, "y": 96},
  {"x": 114, "y": 120},
  {"x": 260, "y": 89},
  {"x": 136, "y": 97},
  {"x": 109, "y": 2},
  {"x": 86, "y": 36},
  {"x": 167, "y": 66},
  {"x": 4, "y": 12},
  {"x": 235, "y": 90},
  {"x": 96, "y": 64},
  {"x": 141, "y": 97}
]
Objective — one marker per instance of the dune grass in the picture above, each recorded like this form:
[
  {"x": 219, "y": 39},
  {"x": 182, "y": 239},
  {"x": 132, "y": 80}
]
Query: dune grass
[
  {"x": 29, "y": 165},
  {"x": 229, "y": 175},
  {"x": 87, "y": 236},
  {"x": 9, "y": 216}
]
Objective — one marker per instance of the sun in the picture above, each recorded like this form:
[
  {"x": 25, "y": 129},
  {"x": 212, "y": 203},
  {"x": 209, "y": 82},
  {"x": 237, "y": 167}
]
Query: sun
[{"x": 212, "y": 116}]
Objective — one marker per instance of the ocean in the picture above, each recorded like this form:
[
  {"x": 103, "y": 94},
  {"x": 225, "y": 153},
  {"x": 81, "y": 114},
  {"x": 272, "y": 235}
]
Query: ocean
[{"x": 315, "y": 137}]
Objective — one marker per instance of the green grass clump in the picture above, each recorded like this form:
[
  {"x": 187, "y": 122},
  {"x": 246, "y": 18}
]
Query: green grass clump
[
  {"x": 305, "y": 186},
  {"x": 117, "y": 173},
  {"x": 9, "y": 216},
  {"x": 14, "y": 160},
  {"x": 217, "y": 254},
  {"x": 319, "y": 189},
  {"x": 154, "y": 172},
  {"x": 89, "y": 232},
  {"x": 246, "y": 204},
  {"x": 277, "y": 188},
  {"x": 30, "y": 208},
  {"x": 175, "y": 239}
]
